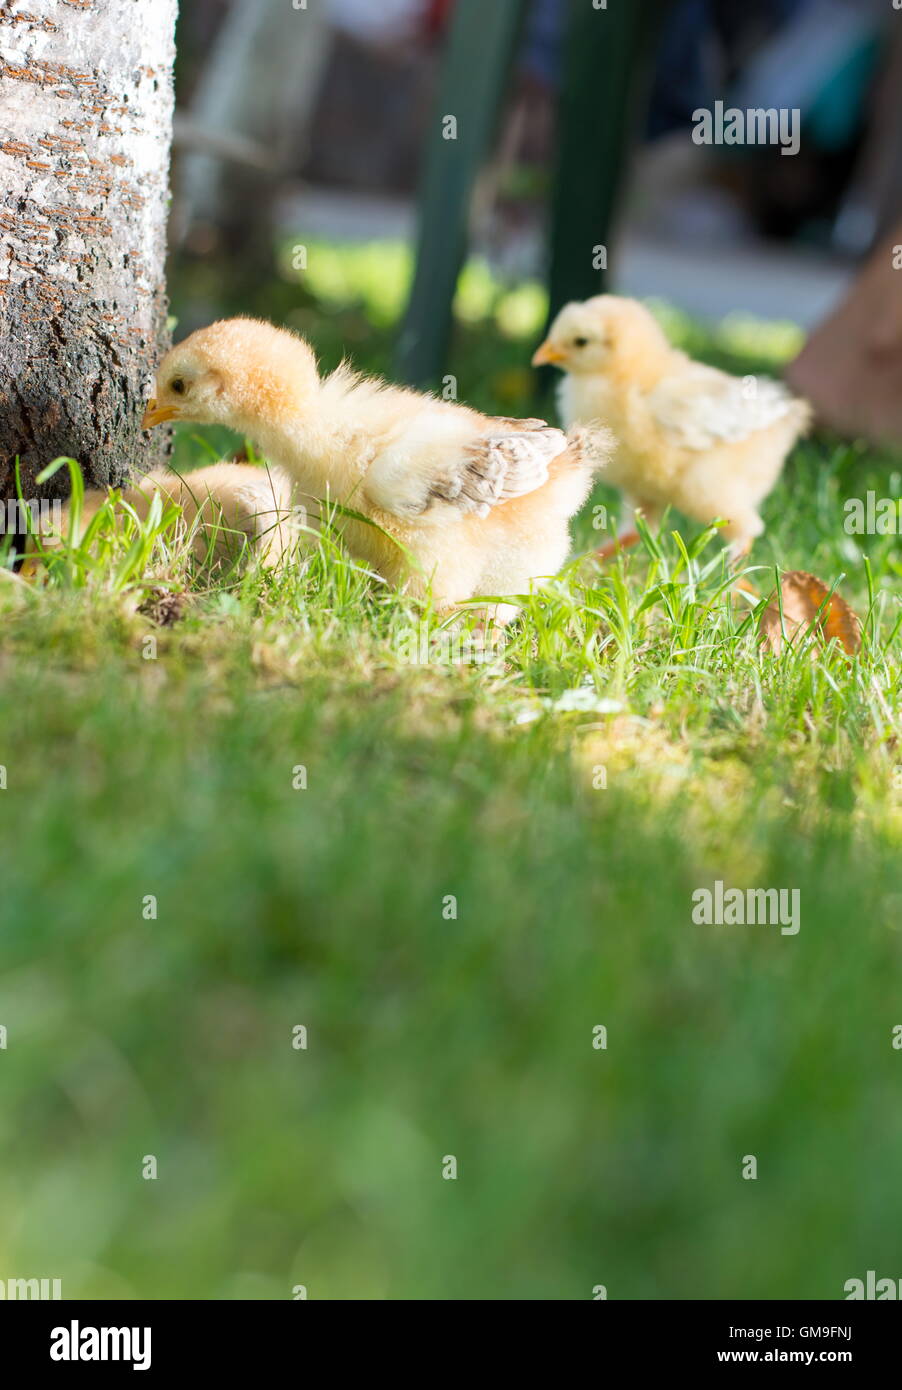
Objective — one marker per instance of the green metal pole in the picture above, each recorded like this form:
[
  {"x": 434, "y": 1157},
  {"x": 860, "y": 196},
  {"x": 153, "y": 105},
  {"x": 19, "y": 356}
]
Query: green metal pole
[
  {"x": 602, "y": 95},
  {"x": 481, "y": 48}
]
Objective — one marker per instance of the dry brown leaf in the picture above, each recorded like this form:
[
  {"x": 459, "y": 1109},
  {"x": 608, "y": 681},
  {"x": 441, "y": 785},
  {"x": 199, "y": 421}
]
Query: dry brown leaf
[{"x": 802, "y": 597}]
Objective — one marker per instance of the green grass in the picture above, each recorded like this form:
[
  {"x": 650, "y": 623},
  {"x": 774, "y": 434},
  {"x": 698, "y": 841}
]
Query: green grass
[{"x": 166, "y": 768}]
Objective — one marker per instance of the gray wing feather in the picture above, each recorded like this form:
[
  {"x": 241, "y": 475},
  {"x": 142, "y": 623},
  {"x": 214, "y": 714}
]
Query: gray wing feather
[
  {"x": 501, "y": 465},
  {"x": 704, "y": 407}
]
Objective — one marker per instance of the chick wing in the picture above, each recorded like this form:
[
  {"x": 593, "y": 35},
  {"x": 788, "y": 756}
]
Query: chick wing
[
  {"x": 702, "y": 407},
  {"x": 509, "y": 459}
]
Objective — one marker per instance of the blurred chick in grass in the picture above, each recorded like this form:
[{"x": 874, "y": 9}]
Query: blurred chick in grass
[
  {"x": 231, "y": 512},
  {"x": 690, "y": 436},
  {"x": 479, "y": 505}
]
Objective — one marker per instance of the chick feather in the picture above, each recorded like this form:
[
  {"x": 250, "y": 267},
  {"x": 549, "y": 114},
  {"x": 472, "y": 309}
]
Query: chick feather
[
  {"x": 688, "y": 435},
  {"x": 230, "y": 511},
  {"x": 702, "y": 407}
]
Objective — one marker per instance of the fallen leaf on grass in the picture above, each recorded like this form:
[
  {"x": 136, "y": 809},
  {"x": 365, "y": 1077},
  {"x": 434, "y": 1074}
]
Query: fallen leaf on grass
[{"x": 807, "y": 605}]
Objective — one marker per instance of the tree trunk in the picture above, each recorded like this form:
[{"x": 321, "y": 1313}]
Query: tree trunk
[{"x": 85, "y": 127}]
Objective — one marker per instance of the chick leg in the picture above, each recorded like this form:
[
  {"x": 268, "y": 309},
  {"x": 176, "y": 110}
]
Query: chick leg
[
  {"x": 498, "y": 615},
  {"x": 741, "y": 531},
  {"x": 624, "y": 540},
  {"x": 486, "y": 616},
  {"x": 739, "y": 550}
]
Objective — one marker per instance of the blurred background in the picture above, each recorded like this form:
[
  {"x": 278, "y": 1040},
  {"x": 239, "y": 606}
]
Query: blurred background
[{"x": 308, "y": 161}]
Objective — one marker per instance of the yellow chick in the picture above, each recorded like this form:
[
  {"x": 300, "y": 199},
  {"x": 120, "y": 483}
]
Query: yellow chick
[
  {"x": 710, "y": 444},
  {"x": 481, "y": 505},
  {"x": 243, "y": 511}
]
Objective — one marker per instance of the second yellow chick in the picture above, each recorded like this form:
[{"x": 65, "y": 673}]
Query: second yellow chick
[{"x": 688, "y": 436}]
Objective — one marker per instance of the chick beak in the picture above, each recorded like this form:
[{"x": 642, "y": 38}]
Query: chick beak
[
  {"x": 548, "y": 355},
  {"x": 157, "y": 415}
]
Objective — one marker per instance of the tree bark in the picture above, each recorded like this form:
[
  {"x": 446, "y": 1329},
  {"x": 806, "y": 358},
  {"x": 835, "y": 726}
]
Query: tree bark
[{"x": 85, "y": 129}]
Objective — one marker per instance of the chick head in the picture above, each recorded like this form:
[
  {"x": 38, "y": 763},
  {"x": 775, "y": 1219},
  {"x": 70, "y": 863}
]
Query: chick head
[
  {"x": 238, "y": 372},
  {"x": 601, "y": 334}
]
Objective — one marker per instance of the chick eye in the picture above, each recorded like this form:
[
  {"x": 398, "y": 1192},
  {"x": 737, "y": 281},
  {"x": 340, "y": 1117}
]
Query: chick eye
[
  {"x": 580, "y": 342},
  {"x": 178, "y": 386}
]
